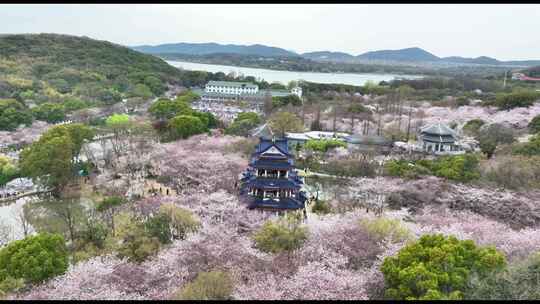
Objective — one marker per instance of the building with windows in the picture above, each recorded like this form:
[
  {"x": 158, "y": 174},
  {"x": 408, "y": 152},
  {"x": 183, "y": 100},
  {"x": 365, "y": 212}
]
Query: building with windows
[
  {"x": 271, "y": 182},
  {"x": 230, "y": 87},
  {"x": 221, "y": 91},
  {"x": 439, "y": 139}
]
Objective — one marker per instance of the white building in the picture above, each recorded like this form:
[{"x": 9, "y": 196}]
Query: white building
[
  {"x": 229, "y": 87},
  {"x": 297, "y": 91}
]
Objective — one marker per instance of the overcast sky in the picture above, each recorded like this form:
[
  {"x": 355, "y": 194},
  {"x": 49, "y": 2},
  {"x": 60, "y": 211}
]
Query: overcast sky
[{"x": 503, "y": 31}]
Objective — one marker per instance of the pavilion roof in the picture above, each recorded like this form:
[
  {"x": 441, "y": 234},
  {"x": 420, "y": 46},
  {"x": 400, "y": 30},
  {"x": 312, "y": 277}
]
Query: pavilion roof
[
  {"x": 265, "y": 163},
  {"x": 281, "y": 203},
  {"x": 272, "y": 183},
  {"x": 438, "y": 129}
]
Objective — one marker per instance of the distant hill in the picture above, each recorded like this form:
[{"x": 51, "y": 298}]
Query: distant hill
[
  {"x": 210, "y": 48},
  {"x": 55, "y": 68},
  {"x": 329, "y": 56},
  {"x": 477, "y": 60},
  {"x": 413, "y": 55},
  {"x": 408, "y": 54}
]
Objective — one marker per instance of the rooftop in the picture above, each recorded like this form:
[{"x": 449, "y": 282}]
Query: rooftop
[
  {"x": 232, "y": 84},
  {"x": 368, "y": 140},
  {"x": 438, "y": 129}
]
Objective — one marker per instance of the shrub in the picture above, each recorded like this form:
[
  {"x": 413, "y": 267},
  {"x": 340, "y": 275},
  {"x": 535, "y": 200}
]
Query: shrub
[
  {"x": 167, "y": 109},
  {"x": 35, "y": 258},
  {"x": 530, "y": 148},
  {"x": 321, "y": 207},
  {"x": 534, "y": 124},
  {"x": 513, "y": 172},
  {"x": 213, "y": 285},
  {"x": 181, "y": 221},
  {"x": 323, "y": 145},
  {"x": 137, "y": 245},
  {"x": 243, "y": 123},
  {"x": 382, "y": 228},
  {"x": 461, "y": 168},
  {"x": 280, "y": 236},
  {"x": 492, "y": 136},
  {"x": 10, "y": 284},
  {"x": 184, "y": 126},
  {"x": 158, "y": 226},
  {"x": 8, "y": 171},
  {"x": 520, "y": 281},
  {"x": 473, "y": 126},
  {"x": 437, "y": 267},
  {"x": 13, "y": 114},
  {"x": 49, "y": 112},
  {"x": 521, "y": 98}
]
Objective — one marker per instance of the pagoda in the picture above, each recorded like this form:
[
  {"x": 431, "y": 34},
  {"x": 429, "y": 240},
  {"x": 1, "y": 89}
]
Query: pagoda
[{"x": 271, "y": 182}]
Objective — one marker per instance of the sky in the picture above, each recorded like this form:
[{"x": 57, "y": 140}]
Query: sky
[{"x": 502, "y": 31}]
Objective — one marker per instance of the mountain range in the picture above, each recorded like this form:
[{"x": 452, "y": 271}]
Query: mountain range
[{"x": 410, "y": 55}]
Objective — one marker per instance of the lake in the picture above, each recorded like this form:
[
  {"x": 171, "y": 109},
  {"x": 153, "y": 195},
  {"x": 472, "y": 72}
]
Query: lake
[{"x": 286, "y": 76}]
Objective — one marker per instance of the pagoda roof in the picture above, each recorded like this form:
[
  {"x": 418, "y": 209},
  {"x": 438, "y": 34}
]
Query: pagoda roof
[
  {"x": 272, "y": 183},
  {"x": 266, "y": 163},
  {"x": 266, "y": 144},
  {"x": 438, "y": 129},
  {"x": 438, "y": 138},
  {"x": 281, "y": 203}
]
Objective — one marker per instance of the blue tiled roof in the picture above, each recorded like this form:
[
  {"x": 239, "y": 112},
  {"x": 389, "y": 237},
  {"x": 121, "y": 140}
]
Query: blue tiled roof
[
  {"x": 268, "y": 183},
  {"x": 266, "y": 143},
  {"x": 283, "y": 203},
  {"x": 264, "y": 163}
]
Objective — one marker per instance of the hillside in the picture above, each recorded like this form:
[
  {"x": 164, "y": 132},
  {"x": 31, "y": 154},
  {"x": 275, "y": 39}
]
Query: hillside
[
  {"x": 53, "y": 68},
  {"x": 328, "y": 56},
  {"x": 211, "y": 48},
  {"x": 409, "y": 54}
]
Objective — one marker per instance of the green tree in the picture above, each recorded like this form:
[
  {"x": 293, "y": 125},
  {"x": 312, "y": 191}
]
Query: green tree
[
  {"x": 530, "y": 148},
  {"x": 49, "y": 112},
  {"x": 8, "y": 170},
  {"x": 13, "y": 114},
  {"x": 181, "y": 221},
  {"x": 49, "y": 162},
  {"x": 167, "y": 109},
  {"x": 382, "y": 228},
  {"x": 77, "y": 133},
  {"x": 74, "y": 104},
  {"x": 534, "y": 124},
  {"x": 158, "y": 226},
  {"x": 184, "y": 126},
  {"x": 187, "y": 97},
  {"x": 321, "y": 207},
  {"x": 437, "y": 267},
  {"x": 138, "y": 245},
  {"x": 285, "y": 235},
  {"x": 35, "y": 258},
  {"x": 155, "y": 85},
  {"x": 283, "y": 122},
  {"x": 142, "y": 90},
  {"x": 323, "y": 145},
  {"x": 243, "y": 123},
  {"x": 492, "y": 136},
  {"x": 473, "y": 126},
  {"x": 518, "y": 98},
  {"x": 213, "y": 285},
  {"x": 109, "y": 206},
  {"x": 519, "y": 281},
  {"x": 462, "y": 168}
]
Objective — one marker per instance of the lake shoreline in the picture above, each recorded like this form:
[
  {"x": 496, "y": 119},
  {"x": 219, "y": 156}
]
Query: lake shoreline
[{"x": 284, "y": 76}]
